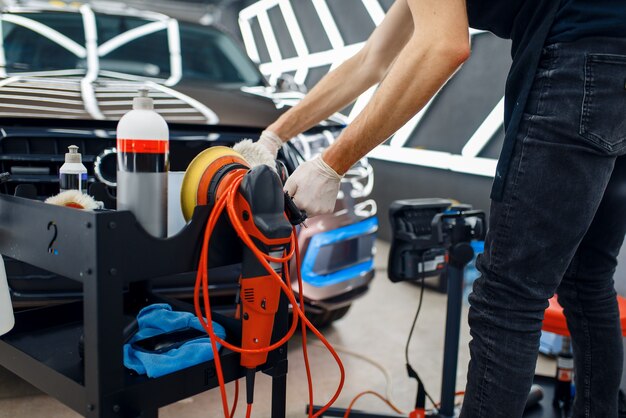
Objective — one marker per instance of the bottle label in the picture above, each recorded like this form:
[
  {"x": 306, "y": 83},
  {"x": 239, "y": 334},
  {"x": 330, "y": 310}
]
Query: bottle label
[
  {"x": 143, "y": 146},
  {"x": 564, "y": 375},
  {"x": 565, "y": 363},
  {"x": 565, "y": 369},
  {"x": 73, "y": 181},
  {"x": 143, "y": 155}
]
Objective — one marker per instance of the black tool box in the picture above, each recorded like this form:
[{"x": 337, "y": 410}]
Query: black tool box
[{"x": 115, "y": 260}]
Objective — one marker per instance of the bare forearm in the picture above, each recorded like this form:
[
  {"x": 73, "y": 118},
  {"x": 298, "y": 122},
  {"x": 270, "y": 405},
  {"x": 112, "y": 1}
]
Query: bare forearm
[
  {"x": 415, "y": 77},
  {"x": 343, "y": 85},
  {"x": 330, "y": 95}
]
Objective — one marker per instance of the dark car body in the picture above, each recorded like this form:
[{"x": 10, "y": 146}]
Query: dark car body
[{"x": 48, "y": 104}]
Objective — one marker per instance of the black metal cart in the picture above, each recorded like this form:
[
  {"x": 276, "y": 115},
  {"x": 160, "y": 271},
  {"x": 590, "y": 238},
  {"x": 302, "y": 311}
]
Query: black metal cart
[{"x": 114, "y": 259}]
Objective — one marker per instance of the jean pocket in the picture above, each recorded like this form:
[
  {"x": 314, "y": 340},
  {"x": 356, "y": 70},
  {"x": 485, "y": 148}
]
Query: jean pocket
[{"x": 603, "y": 119}]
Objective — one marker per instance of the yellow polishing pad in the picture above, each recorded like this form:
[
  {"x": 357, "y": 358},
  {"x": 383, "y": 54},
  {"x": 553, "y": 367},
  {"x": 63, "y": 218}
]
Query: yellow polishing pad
[{"x": 200, "y": 167}]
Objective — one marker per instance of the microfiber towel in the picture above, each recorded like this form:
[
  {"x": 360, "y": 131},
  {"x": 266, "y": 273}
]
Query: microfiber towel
[{"x": 157, "y": 319}]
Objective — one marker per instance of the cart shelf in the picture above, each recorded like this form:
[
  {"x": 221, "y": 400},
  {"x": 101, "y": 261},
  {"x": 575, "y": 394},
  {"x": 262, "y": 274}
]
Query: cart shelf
[{"x": 114, "y": 259}]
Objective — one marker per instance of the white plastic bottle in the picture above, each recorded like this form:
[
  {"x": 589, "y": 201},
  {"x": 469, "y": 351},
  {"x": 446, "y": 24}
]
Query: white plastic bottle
[
  {"x": 7, "y": 320},
  {"x": 73, "y": 174},
  {"x": 142, "y": 165}
]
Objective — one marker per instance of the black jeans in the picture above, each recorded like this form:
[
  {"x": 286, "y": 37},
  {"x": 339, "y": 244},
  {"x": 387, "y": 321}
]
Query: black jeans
[{"x": 558, "y": 229}]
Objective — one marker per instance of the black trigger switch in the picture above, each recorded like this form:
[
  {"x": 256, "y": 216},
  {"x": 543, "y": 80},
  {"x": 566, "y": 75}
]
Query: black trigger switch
[{"x": 294, "y": 214}]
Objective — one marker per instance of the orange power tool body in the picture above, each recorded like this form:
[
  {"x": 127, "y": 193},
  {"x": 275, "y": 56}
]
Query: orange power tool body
[
  {"x": 260, "y": 207},
  {"x": 260, "y": 204}
]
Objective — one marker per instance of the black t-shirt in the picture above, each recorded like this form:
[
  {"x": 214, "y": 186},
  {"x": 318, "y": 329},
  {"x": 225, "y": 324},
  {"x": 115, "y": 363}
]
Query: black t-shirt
[
  {"x": 527, "y": 23},
  {"x": 578, "y": 19}
]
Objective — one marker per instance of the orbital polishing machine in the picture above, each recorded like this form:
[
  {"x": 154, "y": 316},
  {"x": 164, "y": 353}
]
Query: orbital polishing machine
[
  {"x": 259, "y": 203},
  {"x": 252, "y": 218}
]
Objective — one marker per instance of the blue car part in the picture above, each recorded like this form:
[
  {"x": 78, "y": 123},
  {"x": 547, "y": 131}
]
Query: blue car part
[{"x": 367, "y": 227}]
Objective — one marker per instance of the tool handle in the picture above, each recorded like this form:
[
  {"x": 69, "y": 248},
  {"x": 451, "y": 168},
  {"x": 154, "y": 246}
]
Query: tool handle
[
  {"x": 294, "y": 214},
  {"x": 260, "y": 297}
]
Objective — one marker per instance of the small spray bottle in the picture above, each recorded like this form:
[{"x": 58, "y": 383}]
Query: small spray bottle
[
  {"x": 564, "y": 377},
  {"x": 73, "y": 174},
  {"x": 143, "y": 164}
]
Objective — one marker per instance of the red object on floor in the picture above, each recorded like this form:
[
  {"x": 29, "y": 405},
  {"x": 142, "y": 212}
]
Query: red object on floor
[
  {"x": 554, "y": 320},
  {"x": 418, "y": 413}
]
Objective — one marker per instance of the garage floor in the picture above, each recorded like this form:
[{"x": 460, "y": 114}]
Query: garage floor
[{"x": 376, "y": 326}]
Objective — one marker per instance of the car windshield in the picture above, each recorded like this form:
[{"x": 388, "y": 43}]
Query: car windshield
[{"x": 55, "y": 42}]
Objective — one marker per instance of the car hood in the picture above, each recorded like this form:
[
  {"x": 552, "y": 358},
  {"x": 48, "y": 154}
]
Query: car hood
[{"x": 109, "y": 99}]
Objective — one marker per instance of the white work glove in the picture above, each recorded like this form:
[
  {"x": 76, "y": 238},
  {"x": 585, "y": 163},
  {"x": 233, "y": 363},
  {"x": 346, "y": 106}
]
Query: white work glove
[
  {"x": 271, "y": 142},
  {"x": 264, "y": 151},
  {"x": 314, "y": 186}
]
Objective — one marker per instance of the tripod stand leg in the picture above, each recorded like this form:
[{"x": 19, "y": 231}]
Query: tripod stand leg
[
  {"x": 451, "y": 347},
  {"x": 460, "y": 254}
]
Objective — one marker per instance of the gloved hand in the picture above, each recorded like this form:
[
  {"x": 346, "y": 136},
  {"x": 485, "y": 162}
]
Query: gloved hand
[
  {"x": 314, "y": 186},
  {"x": 264, "y": 151},
  {"x": 271, "y": 142}
]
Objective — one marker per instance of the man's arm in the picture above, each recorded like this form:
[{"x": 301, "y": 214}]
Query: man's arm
[
  {"x": 343, "y": 85},
  {"x": 438, "y": 46}
]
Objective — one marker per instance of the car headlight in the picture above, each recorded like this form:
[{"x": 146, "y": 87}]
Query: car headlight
[
  {"x": 311, "y": 145},
  {"x": 105, "y": 167}
]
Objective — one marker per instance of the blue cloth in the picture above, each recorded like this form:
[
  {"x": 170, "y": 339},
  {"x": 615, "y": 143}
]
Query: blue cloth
[{"x": 157, "y": 319}]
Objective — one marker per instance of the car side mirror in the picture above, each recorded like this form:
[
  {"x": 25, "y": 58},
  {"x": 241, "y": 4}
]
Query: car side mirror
[{"x": 286, "y": 82}]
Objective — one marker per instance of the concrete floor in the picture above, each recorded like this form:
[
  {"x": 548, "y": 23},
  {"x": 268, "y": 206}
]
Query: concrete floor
[{"x": 376, "y": 326}]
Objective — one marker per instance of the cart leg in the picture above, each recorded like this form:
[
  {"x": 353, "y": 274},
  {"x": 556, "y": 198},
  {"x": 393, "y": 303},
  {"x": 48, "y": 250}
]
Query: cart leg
[{"x": 279, "y": 396}]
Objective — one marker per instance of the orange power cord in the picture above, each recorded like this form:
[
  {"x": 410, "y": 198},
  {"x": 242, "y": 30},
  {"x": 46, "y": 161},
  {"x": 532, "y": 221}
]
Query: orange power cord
[
  {"x": 385, "y": 400},
  {"x": 378, "y": 395},
  {"x": 232, "y": 411},
  {"x": 227, "y": 201}
]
